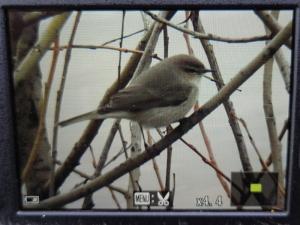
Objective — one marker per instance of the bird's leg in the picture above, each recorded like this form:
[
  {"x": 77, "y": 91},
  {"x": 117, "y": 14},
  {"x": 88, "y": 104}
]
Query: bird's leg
[{"x": 145, "y": 143}]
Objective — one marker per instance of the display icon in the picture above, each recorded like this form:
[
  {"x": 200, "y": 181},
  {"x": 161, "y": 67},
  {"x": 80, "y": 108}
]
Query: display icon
[
  {"x": 31, "y": 199},
  {"x": 152, "y": 198},
  {"x": 163, "y": 201},
  {"x": 254, "y": 189},
  {"x": 141, "y": 198}
]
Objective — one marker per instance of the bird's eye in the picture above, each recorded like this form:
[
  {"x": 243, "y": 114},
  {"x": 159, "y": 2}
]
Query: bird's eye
[{"x": 191, "y": 70}]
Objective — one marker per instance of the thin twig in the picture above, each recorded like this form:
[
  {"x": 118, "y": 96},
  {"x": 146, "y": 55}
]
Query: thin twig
[
  {"x": 94, "y": 47},
  {"x": 78, "y": 172},
  {"x": 169, "y": 149},
  {"x": 126, "y": 154},
  {"x": 114, "y": 197},
  {"x": 120, "y": 190},
  {"x": 88, "y": 177},
  {"x": 103, "y": 157},
  {"x": 88, "y": 200},
  {"x": 145, "y": 21},
  {"x": 116, "y": 156},
  {"x": 282, "y": 132},
  {"x": 208, "y": 162},
  {"x": 48, "y": 86},
  {"x": 284, "y": 68},
  {"x": 93, "y": 156},
  {"x": 173, "y": 190},
  {"x": 154, "y": 163},
  {"x": 216, "y": 81},
  {"x": 146, "y": 57},
  {"x": 186, "y": 36},
  {"x": 271, "y": 23},
  {"x": 166, "y": 42},
  {"x": 169, "y": 161},
  {"x": 125, "y": 36},
  {"x": 212, "y": 37},
  {"x": 274, "y": 143},
  {"x": 121, "y": 45},
  {"x": 61, "y": 90},
  {"x": 253, "y": 144},
  {"x": 262, "y": 162}
]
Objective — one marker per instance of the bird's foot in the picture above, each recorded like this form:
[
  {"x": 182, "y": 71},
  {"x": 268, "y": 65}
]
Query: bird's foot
[
  {"x": 146, "y": 146},
  {"x": 182, "y": 120}
]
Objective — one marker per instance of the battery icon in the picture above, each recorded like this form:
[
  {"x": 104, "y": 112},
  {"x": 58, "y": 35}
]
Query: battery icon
[
  {"x": 31, "y": 199},
  {"x": 141, "y": 198}
]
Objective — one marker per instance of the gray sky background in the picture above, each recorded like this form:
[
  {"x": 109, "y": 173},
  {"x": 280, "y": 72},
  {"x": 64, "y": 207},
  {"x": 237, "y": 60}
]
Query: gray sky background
[{"x": 91, "y": 72}]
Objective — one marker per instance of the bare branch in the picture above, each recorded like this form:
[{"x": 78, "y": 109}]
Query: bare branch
[
  {"x": 88, "y": 201},
  {"x": 21, "y": 72},
  {"x": 155, "y": 166},
  {"x": 60, "y": 93},
  {"x": 36, "y": 53},
  {"x": 126, "y": 154},
  {"x": 263, "y": 164},
  {"x": 134, "y": 151},
  {"x": 275, "y": 144},
  {"x": 146, "y": 57},
  {"x": 212, "y": 37},
  {"x": 93, "y": 47},
  {"x": 78, "y": 172},
  {"x": 271, "y": 23},
  {"x": 125, "y": 36},
  {"x": 114, "y": 197},
  {"x": 48, "y": 86},
  {"x": 34, "y": 17},
  {"x": 284, "y": 68}
]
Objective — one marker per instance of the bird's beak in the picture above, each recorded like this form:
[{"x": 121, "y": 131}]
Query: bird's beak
[{"x": 207, "y": 70}]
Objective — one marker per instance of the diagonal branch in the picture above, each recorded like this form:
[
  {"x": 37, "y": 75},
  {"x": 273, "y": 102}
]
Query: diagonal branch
[{"x": 36, "y": 53}]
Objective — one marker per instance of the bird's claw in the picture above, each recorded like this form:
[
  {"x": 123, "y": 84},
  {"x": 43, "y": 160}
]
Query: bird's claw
[{"x": 182, "y": 120}]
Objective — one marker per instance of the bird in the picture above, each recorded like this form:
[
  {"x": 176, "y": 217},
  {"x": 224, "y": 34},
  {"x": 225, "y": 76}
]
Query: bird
[{"x": 157, "y": 97}]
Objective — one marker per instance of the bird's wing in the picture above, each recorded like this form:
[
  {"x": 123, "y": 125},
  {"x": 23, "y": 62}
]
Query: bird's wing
[{"x": 137, "y": 98}]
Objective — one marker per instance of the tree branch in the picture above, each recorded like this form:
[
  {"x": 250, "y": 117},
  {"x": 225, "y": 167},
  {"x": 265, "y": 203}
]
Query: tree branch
[
  {"x": 271, "y": 23},
  {"x": 212, "y": 37},
  {"x": 42, "y": 45}
]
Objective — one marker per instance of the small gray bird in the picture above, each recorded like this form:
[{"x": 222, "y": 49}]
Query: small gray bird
[{"x": 157, "y": 97}]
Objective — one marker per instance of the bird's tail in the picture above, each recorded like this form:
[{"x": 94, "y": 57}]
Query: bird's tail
[{"x": 86, "y": 116}]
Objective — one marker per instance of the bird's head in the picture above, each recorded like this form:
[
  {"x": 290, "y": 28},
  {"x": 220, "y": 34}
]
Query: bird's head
[{"x": 191, "y": 67}]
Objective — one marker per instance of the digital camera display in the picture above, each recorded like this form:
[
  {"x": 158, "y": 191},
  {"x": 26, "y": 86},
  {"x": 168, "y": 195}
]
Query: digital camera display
[{"x": 152, "y": 110}]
